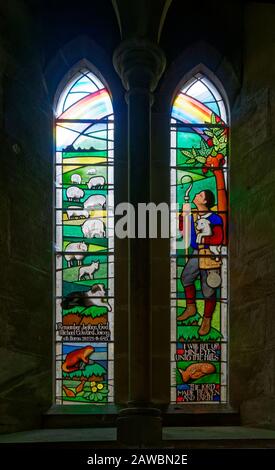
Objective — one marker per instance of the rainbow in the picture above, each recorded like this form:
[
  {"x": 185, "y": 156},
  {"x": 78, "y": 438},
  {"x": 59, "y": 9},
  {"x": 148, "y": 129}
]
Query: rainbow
[
  {"x": 190, "y": 111},
  {"x": 93, "y": 106}
]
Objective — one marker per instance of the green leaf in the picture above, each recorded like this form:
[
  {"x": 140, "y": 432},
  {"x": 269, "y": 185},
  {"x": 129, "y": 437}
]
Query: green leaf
[
  {"x": 217, "y": 131},
  {"x": 194, "y": 152},
  {"x": 213, "y": 153},
  {"x": 209, "y": 133},
  {"x": 201, "y": 159},
  {"x": 99, "y": 396},
  {"x": 204, "y": 149},
  {"x": 186, "y": 153},
  {"x": 213, "y": 118},
  {"x": 215, "y": 141},
  {"x": 222, "y": 146},
  {"x": 191, "y": 160}
]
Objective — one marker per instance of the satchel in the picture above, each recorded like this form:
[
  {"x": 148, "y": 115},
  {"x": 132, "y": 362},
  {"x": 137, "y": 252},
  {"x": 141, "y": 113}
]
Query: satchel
[{"x": 207, "y": 260}]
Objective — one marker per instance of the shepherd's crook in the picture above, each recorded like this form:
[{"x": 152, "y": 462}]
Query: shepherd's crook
[{"x": 186, "y": 179}]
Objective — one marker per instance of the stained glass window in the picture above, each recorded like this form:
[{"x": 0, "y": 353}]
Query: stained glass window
[
  {"x": 199, "y": 292},
  {"x": 84, "y": 241}
]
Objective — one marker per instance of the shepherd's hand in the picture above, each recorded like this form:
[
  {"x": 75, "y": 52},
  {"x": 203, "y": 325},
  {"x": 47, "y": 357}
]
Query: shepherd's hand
[{"x": 186, "y": 209}]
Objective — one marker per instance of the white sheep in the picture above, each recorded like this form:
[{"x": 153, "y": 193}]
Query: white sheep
[
  {"x": 75, "y": 212},
  {"x": 92, "y": 171},
  {"x": 88, "y": 270},
  {"x": 76, "y": 178},
  {"x": 96, "y": 182},
  {"x": 96, "y": 200},
  {"x": 74, "y": 193},
  {"x": 203, "y": 225},
  {"x": 80, "y": 247},
  {"x": 93, "y": 228}
]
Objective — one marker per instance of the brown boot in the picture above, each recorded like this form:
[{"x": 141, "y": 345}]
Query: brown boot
[
  {"x": 205, "y": 326},
  {"x": 188, "y": 312}
]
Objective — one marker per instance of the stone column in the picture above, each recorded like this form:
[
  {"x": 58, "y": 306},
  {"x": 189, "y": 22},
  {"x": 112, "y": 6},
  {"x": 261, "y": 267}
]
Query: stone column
[{"x": 140, "y": 64}]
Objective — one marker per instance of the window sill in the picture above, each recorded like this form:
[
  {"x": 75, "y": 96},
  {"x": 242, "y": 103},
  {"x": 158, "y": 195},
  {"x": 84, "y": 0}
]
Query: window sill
[
  {"x": 59, "y": 416},
  {"x": 200, "y": 415},
  {"x": 62, "y": 416}
]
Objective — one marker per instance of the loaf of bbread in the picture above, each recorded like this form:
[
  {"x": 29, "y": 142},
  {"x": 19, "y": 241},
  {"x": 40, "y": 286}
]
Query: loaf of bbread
[{"x": 196, "y": 371}]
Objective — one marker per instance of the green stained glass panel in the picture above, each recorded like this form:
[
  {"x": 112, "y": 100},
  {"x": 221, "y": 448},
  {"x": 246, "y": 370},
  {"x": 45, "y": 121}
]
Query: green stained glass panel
[
  {"x": 199, "y": 264},
  {"x": 84, "y": 243}
]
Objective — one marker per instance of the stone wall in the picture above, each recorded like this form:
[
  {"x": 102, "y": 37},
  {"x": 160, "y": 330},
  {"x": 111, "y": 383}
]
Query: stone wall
[
  {"x": 26, "y": 228},
  {"x": 252, "y": 317},
  {"x": 34, "y": 58},
  {"x": 26, "y": 124}
]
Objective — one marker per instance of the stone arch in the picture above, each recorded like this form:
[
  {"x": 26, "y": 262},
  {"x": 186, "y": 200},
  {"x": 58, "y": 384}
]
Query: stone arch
[{"x": 205, "y": 57}]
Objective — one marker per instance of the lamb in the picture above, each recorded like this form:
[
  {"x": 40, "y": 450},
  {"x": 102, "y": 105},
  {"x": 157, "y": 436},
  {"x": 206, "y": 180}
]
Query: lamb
[
  {"x": 204, "y": 227},
  {"x": 80, "y": 247},
  {"x": 93, "y": 297},
  {"x": 88, "y": 270},
  {"x": 76, "y": 178},
  {"x": 74, "y": 193},
  {"x": 92, "y": 171},
  {"x": 75, "y": 212},
  {"x": 93, "y": 228},
  {"x": 96, "y": 182},
  {"x": 96, "y": 200}
]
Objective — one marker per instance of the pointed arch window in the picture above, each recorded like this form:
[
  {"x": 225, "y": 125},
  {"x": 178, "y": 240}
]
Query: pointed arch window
[
  {"x": 84, "y": 241},
  {"x": 199, "y": 256}
]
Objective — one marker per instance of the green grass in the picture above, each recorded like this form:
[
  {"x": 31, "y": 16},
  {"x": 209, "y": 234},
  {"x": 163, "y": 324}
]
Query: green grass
[
  {"x": 190, "y": 320},
  {"x": 76, "y": 310},
  {"x": 95, "y": 311},
  {"x": 190, "y": 333},
  {"x": 200, "y": 308},
  {"x": 71, "y": 274},
  {"x": 91, "y": 369},
  {"x": 83, "y": 172},
  {"x": 92, "y": 311}
]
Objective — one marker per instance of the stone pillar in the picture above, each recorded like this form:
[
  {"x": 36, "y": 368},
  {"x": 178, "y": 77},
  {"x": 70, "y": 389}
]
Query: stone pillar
[{"x": 140, "y": 64}]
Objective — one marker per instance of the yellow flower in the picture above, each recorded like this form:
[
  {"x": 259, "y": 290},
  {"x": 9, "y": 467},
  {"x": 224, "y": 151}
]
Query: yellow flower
[
  {"x": 93, "y": 384},
  {"x": 94, "y": 389},
  {"x": 100, "y": 386}
]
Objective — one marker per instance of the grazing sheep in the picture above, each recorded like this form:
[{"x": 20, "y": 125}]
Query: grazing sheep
[
  {"x": 80, "y": 247},
  {"x": 88, "y": 270},
  {"x": 76, "y": 179},
  {"x": 75, "y": 212},
  {"x": 92, "y": 171},
  {"x": 96, "y": 182},
  {"x": 93, "y": 228},
  {"x": 74, "y": 193},
  {"x": 96, "y": 200}
]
